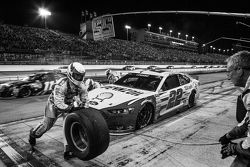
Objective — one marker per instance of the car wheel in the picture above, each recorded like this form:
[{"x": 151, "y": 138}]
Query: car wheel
[
  {"x": 87, "y": 133},
  {"x": 191, "y": 100},
  {"x": 145, "y": 116},
  {"x": 24, "y": 92}
]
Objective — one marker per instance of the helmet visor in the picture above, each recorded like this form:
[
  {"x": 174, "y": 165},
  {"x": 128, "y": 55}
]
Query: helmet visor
[{"x": 78, "y": 76}]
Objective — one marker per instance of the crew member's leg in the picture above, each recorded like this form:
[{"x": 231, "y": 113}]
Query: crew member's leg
[
  {"x": 40, "y": 129},
  {"x": 67, "y": 152},
  {"x": 50, "y": 117}
]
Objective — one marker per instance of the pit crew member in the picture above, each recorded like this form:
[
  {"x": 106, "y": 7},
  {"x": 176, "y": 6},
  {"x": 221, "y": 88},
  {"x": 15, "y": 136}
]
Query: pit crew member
[
  {"x": 67, "y": 92},
  {"x": 238, "y": 68}
]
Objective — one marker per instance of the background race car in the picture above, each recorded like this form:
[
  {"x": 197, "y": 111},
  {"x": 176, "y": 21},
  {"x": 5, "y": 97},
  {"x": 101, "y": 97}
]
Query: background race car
[
  {"x": 36, "y": 84},
  {"x": 129, "y": 68},
  {"x": 142, "y": 97}
]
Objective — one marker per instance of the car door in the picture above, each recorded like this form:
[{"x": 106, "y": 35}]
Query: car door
[
  {"x": 170, "y": 94},
  {"x": 186, "y": 86}
]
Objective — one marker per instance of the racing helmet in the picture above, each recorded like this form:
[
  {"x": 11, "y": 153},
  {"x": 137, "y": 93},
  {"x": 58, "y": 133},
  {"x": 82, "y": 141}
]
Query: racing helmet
[
  {"x": 76, "y": 73},
  {"x": 107, "y": 72}
]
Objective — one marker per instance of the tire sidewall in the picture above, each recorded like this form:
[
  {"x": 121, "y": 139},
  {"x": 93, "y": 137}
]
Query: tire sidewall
[
  {"x": 86, "y": 125},
  {"x": 191, "y": 100},
  {"x": 95, "y": 128},
  {"x": 152, "y": 114}
]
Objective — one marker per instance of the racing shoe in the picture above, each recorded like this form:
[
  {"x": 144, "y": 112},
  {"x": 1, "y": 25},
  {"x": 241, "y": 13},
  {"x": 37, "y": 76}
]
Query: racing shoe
[
  {"x": 32, "y": 139},
  {"x": 67, "y": 155}
]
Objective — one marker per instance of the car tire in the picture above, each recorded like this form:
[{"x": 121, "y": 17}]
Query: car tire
[
  {"x": 87, "y": 133},
  {"x": 24, "y": 92},
  {"x": 191, "y": 100},
  {"x": 144, "y": 117}
]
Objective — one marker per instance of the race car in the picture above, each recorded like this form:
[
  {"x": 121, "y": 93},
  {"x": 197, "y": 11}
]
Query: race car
[
  {"x": 36, "y": 84},
  {"x": 61, "y": 69},
  {"x": 129, "y": 68},
  {"x": 152, "y": 67},
  {"x": 170, "y": 67},
  {"x": 140, "y": 98}
]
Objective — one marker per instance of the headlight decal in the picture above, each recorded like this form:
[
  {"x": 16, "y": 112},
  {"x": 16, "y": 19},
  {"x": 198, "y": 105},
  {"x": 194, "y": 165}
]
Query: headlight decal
[{"x": 121, "y": 111}]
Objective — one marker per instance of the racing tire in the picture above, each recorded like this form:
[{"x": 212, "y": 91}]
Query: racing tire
[
  {"x": 191, "y": 100},
  {"x": 144, "y": 117},
  {"x": 24, "y": 92},
  {"x": 87, "y": 133}
]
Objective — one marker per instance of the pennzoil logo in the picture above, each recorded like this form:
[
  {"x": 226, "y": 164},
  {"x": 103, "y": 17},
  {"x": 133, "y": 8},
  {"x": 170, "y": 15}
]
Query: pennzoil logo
[
  {"x": 103, "y": 96},
  {"x": 125, "y": 90}
]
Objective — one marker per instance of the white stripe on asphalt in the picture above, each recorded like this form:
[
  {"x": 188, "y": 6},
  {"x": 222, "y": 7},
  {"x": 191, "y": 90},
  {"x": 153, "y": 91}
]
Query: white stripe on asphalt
[{"x": 12, "y": 153}]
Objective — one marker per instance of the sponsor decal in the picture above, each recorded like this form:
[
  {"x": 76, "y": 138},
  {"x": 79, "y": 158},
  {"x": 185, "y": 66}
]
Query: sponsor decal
[
  {"x": 103, "y": 96},
  {"x": 94, "y": 103},
  {"x": 188, "y": 87},
  {"x": 125, "y": 90}
]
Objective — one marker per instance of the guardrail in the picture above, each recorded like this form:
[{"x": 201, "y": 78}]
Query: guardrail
[{"x": 101, "y": 74}]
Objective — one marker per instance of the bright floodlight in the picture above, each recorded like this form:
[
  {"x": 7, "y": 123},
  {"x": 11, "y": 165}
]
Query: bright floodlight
[
  {"x": 44, "y": 12},
  {"x": 127, "y": 27}
]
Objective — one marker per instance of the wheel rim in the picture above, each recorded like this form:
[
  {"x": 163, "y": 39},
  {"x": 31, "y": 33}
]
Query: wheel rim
[
  {"x": 78, "y": 136},
  {"x": 144, "y": 117},
  {"x": 25, "y": 92}
]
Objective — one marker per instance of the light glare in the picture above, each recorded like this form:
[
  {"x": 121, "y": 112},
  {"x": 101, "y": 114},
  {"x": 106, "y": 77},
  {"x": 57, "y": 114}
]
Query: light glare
[{"x": 44, "y": 12}]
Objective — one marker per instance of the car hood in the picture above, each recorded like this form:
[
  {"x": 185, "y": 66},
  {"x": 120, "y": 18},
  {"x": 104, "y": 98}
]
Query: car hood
[{"x": 113, "y": 95}]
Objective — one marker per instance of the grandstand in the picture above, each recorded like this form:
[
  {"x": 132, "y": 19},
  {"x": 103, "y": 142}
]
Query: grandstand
[
  {"x": 29, "y": 45},
  {"x": 163, "y": 40}
]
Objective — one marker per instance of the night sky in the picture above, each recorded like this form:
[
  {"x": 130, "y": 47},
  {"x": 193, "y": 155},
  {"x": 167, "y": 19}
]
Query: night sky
[{"x": 66, "y": 17}]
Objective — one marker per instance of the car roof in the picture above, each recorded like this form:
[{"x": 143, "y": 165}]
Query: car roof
[
  {"x": 42, "y": 73},
  {"x": 157, "y": 72}
]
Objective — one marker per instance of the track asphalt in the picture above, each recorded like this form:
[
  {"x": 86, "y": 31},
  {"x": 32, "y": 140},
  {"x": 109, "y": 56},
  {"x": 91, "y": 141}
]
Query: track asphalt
[{"x": 188, "y": 139}]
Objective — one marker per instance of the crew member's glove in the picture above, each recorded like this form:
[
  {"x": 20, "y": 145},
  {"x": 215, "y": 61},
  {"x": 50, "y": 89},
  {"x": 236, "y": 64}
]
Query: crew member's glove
[
  {"x": 228, "y": 150},
  {"x": 69, "y": 108},
  {"x": 224, "y": 140}
]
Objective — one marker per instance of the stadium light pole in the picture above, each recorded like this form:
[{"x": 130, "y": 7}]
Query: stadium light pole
[
  {"x": 160, "y": 28},
  {"x": 170, "y": 31},
  {"x": 179, "y": 34},
  {"x": 186, "y": 37},
  {"x": 127, "y": 28},
  {"x": 192, "y": 38},
  {"x": 149, "y": 26},
  {"x": 44, "y": 13}
]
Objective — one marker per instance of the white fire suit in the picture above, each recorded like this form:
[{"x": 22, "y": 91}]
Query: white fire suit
[
  {"x": 61, "y": 101},
  {"x": 113, "y": 77}
]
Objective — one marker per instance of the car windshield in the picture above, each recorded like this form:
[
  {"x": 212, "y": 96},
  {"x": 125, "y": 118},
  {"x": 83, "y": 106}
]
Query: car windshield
[
  {"x": 30, "y": 78},
  {"x": 140, "y": 81}
]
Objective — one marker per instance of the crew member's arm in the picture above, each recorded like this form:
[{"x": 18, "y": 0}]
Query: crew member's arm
[
  {"x": 91, "y": 84},
  {"x": 240, "y": 130},
  {"x": 84, "y": 96},
  {"x": 59, "y": 97},
  {"x": 246, "y": 142}
]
